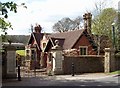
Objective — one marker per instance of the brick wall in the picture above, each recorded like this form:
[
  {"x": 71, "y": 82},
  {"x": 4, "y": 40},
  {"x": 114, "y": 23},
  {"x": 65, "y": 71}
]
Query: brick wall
[
  {"x": 117, "y": 61},
  {"x": 83, "y": 64}
]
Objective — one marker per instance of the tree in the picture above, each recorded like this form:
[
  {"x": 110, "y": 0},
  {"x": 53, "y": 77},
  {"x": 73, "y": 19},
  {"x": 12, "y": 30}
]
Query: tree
[
  {"x": 4, "y": 9},
  {"x": 66, "y": 24},
  {"x": 4, "y": 12},
  {"x": 117, "y": 32},
  {"x": 101, "y": 24}
]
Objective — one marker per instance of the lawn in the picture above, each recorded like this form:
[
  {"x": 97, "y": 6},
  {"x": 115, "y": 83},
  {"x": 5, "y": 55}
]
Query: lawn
[
  {"x": 21, "y": 52},
  {"x": 115, "y": 72}
]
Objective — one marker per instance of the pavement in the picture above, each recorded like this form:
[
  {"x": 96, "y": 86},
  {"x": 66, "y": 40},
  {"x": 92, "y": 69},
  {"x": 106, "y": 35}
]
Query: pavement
[
  {"x": 85, "y": 76},
  {"x": 86, "y": 79}
]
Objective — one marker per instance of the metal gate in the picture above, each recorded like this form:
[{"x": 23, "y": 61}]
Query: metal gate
[{"x": 25, "y": 70}]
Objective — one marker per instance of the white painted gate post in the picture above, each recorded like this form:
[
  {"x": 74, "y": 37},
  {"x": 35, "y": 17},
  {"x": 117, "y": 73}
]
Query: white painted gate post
[
  {"x": 57, "y": 60},
  {"x": 11, "y": 61}
]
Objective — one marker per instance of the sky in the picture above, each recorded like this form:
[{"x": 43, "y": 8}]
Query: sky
[{"x": 48, "y": 12}]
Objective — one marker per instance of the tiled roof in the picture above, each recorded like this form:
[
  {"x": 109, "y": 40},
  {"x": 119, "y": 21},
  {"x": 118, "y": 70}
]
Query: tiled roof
[
  {"x": 70, "y": 37},
  {"x": 66, "y": 39}
]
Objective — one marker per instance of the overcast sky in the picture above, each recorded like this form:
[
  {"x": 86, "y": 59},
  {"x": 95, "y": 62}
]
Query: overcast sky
[{"x": 48, "y": 12}]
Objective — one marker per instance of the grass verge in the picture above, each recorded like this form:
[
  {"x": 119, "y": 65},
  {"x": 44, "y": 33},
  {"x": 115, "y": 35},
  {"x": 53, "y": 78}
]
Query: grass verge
[
  {"x": 21, "y": 52},
  {"x": 115, "y": 72}
]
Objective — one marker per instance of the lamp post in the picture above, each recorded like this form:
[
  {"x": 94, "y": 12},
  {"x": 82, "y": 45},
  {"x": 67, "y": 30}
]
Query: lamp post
[{"x": 113, "y": 35}]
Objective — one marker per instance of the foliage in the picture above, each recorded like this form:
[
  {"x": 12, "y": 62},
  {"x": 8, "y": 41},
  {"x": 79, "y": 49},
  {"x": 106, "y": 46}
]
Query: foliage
[
  {"x": 66, "y": 24},
  {"x": 102, "y": 22},
  {"x": 8, "y": 5},
  {"x": 115, "y": 72},
  {"x": 18, "y": 38},
  {"x": 5, "y": 8},
  {"x": 21, "y": 52},
  {"x": 4, "y": 25},
  {"x": 102, "y": 25},
  {"x": 118, "y": 32},
  {"x": 118, "y": 53}
]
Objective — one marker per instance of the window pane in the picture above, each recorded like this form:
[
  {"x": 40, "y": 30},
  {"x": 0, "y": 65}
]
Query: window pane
[
  {"x": 83, "y": 51},
  {"x": 80, "y": 51}
]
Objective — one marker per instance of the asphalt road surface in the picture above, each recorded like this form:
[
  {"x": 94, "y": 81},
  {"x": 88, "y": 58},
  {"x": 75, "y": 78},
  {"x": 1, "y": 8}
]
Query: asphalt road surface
[{"x": 64, "y": 81}]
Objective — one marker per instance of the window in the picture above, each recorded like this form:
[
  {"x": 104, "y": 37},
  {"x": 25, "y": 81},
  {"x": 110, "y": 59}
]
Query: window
[
  {"x": 33, "y": 54},
  {"x": 83, "y": 50},
  {"x": 27, "y": 51},
  {"x": 27, "y": 54},
  {"x": 32, "y": 51},
  {"x": 44, "y": 44}
]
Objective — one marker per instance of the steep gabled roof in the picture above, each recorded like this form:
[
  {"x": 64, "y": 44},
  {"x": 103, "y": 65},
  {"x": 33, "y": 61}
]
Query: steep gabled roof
[
  {"x": 36, "y": 37},
  {"x": 61, "y": 41},
  {"x": 51, "y": 43},
  {"x": 70, "y": 37}
]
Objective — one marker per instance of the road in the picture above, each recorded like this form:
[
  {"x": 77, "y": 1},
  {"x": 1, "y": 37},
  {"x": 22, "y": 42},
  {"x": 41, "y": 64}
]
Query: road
[{"x": 65, "y": 81}]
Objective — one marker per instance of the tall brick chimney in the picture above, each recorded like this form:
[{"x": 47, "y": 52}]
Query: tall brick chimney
[
  {"x": 37, "y": 29},
  {"x": 87, "y": 17}
]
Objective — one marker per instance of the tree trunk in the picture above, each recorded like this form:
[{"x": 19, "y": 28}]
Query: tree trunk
[{"x": 98, "y": 45}]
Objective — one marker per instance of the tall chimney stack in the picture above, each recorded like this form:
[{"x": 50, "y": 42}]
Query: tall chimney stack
[
  {"x": 87, "y": 17},
  {"x": 37, "y": 28},
  {"x": 85, "y": 21}
]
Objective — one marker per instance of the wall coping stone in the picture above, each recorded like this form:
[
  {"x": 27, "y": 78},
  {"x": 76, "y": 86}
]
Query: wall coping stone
[
  {"x": 84, "y": 56},
  {"x": 109, "y": 50}
]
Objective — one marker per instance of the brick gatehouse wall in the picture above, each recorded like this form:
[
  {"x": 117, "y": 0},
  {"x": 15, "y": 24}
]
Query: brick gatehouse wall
[{"x": 83, "y": 64}]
